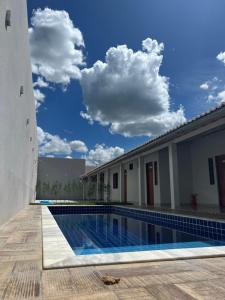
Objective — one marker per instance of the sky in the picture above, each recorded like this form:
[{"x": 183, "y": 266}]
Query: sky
[{"x": 110, "y": 75}]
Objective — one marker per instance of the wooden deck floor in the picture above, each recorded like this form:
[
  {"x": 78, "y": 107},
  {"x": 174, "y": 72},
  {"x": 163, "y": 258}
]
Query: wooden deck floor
[{"x": 22, "y": 277}]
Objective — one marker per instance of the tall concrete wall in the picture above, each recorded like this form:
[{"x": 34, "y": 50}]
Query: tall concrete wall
[
  {"x": 18, "y": 148},
  {"x": 59, "y": 178}
]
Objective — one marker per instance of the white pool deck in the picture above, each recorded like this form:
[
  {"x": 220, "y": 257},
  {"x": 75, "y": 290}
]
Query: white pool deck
[{"x": 57, "y": 252}]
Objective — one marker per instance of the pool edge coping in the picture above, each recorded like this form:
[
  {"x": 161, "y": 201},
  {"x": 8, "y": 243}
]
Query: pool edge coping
[{"x": 57, "y": 252}]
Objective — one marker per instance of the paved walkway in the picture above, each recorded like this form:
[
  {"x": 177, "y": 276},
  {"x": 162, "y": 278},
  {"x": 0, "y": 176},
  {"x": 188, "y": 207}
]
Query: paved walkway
[{"x": 22, "y": 277}]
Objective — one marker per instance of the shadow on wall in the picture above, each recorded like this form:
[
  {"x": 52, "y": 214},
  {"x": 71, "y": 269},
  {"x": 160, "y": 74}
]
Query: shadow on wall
[{"x": 72, "y": 190}]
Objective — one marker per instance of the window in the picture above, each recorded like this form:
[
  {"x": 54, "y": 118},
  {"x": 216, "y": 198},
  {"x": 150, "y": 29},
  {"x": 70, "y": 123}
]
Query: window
[
  {"x": 131, "y": 166},
  {"x": 156, "y": 172},
  {"x": 115, "y": 180},
  {"x": 211, "y": 171}
]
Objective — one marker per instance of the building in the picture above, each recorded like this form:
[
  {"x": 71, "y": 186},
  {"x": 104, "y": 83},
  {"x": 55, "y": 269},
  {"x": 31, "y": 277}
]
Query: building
[
  {"x": 59, "y": 178},
  {"x": 182, "y": 168},
  {"x": 18, "y": 147}
]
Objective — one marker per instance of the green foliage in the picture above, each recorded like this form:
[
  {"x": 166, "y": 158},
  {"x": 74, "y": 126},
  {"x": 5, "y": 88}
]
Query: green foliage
[
  {"x": 91, "y": 189},
  {"x": 56, "y": 189}
]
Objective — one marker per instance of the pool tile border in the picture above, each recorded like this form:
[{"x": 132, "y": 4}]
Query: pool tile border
[{"x": 57, "y": 252}]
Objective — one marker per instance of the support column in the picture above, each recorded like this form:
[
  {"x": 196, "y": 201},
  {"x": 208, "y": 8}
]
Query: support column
[
  {"x": 141, "y": 181},
  {"x": 174, "y": 179},
  {"x": 121, "y": 183}
]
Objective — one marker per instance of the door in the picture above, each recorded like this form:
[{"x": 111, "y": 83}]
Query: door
[
  {"x": 220, "y": 167},
  {"x": 149, "y": 183},
  {"x": 125, "y": 186}
]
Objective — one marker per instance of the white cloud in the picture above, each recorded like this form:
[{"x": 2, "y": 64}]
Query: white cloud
[
  {"x": 56, "y": 46},
  {"x": 204, "y": 86},
  {"x": 128, "y": 93},
  {"x": 155, "y": 125},
  {"x": 215, "y": 86},
  {"x": 221, "y": 57},
  {"x": 41, "y": 83},
  {"x": 101, "y": 154},
  {"x": 78, "y": 146},
  {"x": 221, "y": 97},
  {"x": 39, "y": 98},
  {"x": 218, "y": 98},
  {"x": 54, "y": 145},
  {"x": 40, "y": 135}
]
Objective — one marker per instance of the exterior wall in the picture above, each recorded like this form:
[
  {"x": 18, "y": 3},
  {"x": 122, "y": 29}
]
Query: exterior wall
[
  {"x": 202, "y": 149},
  {"x": 164, "y": 177},
  {"x": 185, "y": 173},
  {"x": 107, "y": 188},
  {"x": 60, "y": 178},
  {"x": 132, "y": 182},
  {"x": 115, "y": 193},
  {"x": 105, "y": 183},
  {"x": 182, "y": 170},
  {"x": 18, "y": 148}
]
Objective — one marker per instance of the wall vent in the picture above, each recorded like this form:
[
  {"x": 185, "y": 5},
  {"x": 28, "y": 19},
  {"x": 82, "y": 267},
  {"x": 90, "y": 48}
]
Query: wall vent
[{"x": 8, "y": 19}]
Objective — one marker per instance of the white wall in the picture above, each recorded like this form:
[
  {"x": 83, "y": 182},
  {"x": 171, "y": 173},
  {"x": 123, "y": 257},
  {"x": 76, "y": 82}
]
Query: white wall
[
  {"x": 193, "y": 173},
  {"x": 64, "y": 172},
  {"x": 185, "y": 173},
  {"x": 132, "y": 182},
  {"x": 18, "y": 147},
  {"x": 115, "y": 193},
  {"x": 106, "y": 183},
  {"x": 202, "y": 149},
  {"x": 164, "y": 177}
]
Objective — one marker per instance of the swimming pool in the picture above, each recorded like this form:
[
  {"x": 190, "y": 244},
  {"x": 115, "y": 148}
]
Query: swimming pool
[{"x": 108, "y": 229}]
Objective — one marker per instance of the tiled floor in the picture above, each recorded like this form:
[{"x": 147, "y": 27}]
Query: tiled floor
[
  {"x": 22, "y": 277},
  {"x": 199, "y": 211}
]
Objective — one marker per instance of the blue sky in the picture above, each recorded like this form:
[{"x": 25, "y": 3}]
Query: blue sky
[{"x": 193, "y": 35}]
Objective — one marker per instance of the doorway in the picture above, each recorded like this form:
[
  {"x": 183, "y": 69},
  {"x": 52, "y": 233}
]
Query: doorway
[
  {"x": 220, "y": 167},
  {"x": 150, "y": 183}
]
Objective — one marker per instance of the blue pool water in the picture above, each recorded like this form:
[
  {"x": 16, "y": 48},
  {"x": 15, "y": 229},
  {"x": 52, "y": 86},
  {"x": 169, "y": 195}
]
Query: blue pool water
[
  {"x": 112, "y": 233},
  {"x": 47, "y": 202}
]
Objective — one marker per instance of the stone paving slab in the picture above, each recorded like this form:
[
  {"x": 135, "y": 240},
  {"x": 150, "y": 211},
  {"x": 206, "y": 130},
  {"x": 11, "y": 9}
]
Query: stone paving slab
[{"x": 22, "y": 275}]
